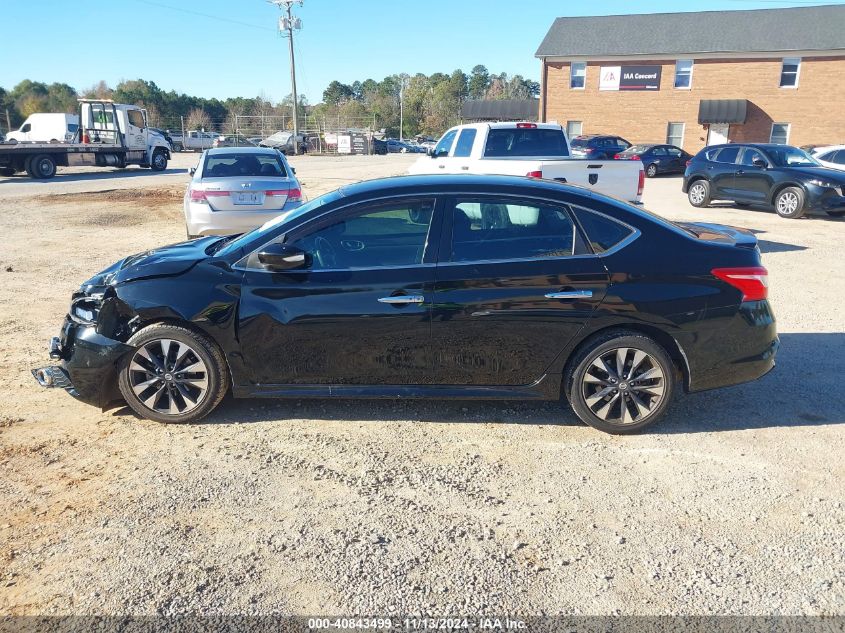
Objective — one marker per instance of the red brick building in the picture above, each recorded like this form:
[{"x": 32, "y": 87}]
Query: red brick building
[{"x": 694, "y": 79}]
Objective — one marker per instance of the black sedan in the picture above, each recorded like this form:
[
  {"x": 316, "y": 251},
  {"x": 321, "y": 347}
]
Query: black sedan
[
  {"x": 488, "y": 287},
  {"x": 782, "y": 176},
  {"x": 657, "y": 159}
]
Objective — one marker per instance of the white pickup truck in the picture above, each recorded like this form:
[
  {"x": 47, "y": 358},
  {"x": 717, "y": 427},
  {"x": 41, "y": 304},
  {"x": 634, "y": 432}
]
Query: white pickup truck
[{"x": 538, "y": 150}]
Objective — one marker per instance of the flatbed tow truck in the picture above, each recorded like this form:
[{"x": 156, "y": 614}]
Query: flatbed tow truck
[{"x": 110, "y": 135}]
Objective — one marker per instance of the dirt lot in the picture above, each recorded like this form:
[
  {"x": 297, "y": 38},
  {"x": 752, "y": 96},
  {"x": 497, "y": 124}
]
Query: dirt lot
[{"x": 732, "y": 505}]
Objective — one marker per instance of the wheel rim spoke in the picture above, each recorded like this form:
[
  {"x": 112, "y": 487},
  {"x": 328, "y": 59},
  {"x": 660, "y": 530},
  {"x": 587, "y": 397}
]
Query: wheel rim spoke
[
  {"x": 159, "y": 381},
  {"x": 633, "y": 389}
]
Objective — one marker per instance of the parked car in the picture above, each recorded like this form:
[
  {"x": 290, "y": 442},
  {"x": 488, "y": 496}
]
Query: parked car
[
  {"x": 657, "y": 158},
  {"x": 283, "y": 141},
  {"x": 236, "y": 190},
  {"x": 832, "y": 156},
  {"x": 379, "y": 146},
  {"x": 525, "y": 148},
  {"x": 236, "y": 141},
  {"x": 486, "y": 287},
  {"x": 597, "y": 146},
  {"x": 395, "y": 146},
  {"x": 764, "y": 173},
  {"x": 193, "y": 140}
]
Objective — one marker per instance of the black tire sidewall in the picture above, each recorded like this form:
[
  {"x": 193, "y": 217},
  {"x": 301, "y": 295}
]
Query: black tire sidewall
[
  {"x": 205, "y": 348},
  {"x": 608, "y": 341},
  {"x": 158, "y": 154}
]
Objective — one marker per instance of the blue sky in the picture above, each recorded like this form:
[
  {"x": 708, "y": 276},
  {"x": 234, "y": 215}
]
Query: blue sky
[{"x": 223, "y": 48}]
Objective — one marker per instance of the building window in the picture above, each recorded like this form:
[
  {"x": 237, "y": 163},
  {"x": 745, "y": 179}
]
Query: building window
[
  {"x": 577, "y": 75},
  {"x": 683, "y": 73},
  {"x": 675, "y": 134},
  {"x": 573, "y": 129},
  {"x": 780, "y": 133},
  {"x": 789, "y": 72}
]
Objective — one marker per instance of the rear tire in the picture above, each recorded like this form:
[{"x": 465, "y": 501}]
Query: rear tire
[
  {"x": 698, "y": 193},
  {"x": 153, "y": 378},
  {"x": 789, "y": 203},
  {"x": 27, "y": 167},
  {"x": 621, "y": 382},
  {"x": 651, "y": 170},
  {"x": 43, "y": 166}
]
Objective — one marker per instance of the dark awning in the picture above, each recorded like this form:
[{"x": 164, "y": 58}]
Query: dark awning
[
  {"x": 501, "y": 109},
  {"x": 722, "y": 111}
]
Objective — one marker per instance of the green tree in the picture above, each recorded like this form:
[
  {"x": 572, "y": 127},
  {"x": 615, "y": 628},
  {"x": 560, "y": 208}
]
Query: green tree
[
  {"x": 479, "y": 82},
  {"x": 337, "y": 93}
]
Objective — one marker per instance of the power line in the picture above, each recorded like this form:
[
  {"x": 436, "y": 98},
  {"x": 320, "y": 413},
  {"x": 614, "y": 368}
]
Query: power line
[{"x": 206, "y": 15}]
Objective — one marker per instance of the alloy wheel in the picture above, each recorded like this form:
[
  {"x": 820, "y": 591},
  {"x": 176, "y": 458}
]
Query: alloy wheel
[
  {"x": 159, "y": 161},
  {"x": 168, "y": 377},
  {"x": 696, "y": 194},
  {"x": 623, "y": 385},
  {"x": 787, "y": 203}
]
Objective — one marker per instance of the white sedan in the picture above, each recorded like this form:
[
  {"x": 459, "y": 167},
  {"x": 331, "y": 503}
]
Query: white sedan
[{"x": 830, "y": 156}]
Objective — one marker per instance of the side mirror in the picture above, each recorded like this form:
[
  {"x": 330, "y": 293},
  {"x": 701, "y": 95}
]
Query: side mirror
[
  {"x": 759, "y": 162},
  {"x": 282, "y": 257},
  {"x": 192, "y": 171}
]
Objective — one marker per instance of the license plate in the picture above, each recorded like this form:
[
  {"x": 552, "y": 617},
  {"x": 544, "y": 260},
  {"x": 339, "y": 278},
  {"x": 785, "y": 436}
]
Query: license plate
[{"x": 249, "y": 197}]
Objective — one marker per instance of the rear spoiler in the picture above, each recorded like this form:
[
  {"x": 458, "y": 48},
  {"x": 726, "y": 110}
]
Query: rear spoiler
[{"x": 721, "y": 233}]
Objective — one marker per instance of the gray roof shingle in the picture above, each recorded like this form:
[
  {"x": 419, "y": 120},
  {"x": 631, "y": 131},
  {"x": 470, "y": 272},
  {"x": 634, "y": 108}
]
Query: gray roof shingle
[{"x": 817, "y": 28}]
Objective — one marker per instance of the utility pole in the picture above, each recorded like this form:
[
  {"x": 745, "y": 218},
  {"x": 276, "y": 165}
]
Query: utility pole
[
  {"x": 401, "y": 104},
  {"x": 288, "y": 23}
]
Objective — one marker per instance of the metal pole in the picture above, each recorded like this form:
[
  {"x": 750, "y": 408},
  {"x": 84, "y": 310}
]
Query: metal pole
[
  {"x": 293, "y": 82},
  {"x": 401, "y": 106}
]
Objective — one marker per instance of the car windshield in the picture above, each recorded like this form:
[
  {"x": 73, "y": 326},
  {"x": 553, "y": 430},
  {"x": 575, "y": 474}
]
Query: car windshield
[
  {"x": 257, "y": 236},
  {"x": 791, "y": 157},
  {"x": 243, "y": 165}
]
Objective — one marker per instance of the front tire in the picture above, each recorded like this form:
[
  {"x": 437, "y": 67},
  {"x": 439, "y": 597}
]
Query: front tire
[
  {"x": 621, "y": 382},
  {"x": 43, "y": 166},
  {"x": 174, "y": 375},
  {"x": 698, "y": 193},
  {"x": 159, "y": 162},
  {"x": 789, "y": 203},
  {"x": 651, "y": 170}
]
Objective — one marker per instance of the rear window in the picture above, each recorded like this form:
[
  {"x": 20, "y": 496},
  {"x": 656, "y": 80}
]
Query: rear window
[
  {"x": 602, "y": 232},
  {"x": 727, "y": 155},
  {"x": 506, "y": 142},
  {"x": 579, "y": 141},
  {"x": 241, "y": 165}
]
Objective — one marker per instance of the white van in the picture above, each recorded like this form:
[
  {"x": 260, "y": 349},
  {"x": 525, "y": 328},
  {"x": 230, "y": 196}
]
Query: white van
[{"x": 44, "y": 127}]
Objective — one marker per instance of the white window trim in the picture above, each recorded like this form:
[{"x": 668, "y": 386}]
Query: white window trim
[
  {"x": 788, "y": 131},
  {"x": 691, "y": 70},
  {"x": 580, "y": 131},
  {"x": 797, "y": 73},
  {"x": 571, "y": 75},
  {"x": 683, "y": 132}
]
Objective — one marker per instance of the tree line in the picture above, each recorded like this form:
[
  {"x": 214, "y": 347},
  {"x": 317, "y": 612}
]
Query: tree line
[{"x": 429, "y": 103}]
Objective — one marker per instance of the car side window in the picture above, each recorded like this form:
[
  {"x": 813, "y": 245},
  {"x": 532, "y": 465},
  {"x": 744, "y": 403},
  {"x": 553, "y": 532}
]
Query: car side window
[
  {"x": 393, "y": 234},
  {"x": 136, "y": 118},
  {"x": 727, "y": 155},
  {"x": 827, "y": 156},
  {"x": 445, "y": 144},
  {"x": 674, "y": 152},
  {"x": 659, "y": 151},
  {"x": 749, "y": 156},
  {"x": 840, "y": 157},
  {"x": 495, "y": 229},
  {"x": 464, "y": 145},
  {"x": 603, "y": 233}
]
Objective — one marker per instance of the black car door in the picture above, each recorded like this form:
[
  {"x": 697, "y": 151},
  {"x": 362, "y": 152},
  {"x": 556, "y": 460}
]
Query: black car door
[
  {"x": 514, "y": 285},
  {"x": 751, "y": 182},
  {"x": 721, "y": 171},
  {"x": 358, "y": 312}
]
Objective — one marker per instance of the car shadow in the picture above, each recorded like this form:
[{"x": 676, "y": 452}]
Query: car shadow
[
  {"x": 764, "y": 208},
  {"x": 767, "y": 246},
  {"x": 104, "y": 175},
  {"x": 802, "y": 391}
]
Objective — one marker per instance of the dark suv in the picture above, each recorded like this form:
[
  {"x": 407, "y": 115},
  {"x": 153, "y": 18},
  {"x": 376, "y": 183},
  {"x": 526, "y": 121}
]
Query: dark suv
[
  {"x": 597, "y": 146},
  {"x": 764, "y": 173}
]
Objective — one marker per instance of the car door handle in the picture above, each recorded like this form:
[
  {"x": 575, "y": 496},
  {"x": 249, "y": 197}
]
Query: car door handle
[
  {"x": 465, "y": 167},
  {"x": 442, "y": 166},
  {"x": 402, "y": 299},
  {"x": 570, "y": 294}
]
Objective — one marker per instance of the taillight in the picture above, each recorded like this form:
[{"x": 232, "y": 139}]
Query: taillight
[
  {"x": 535, "y": 174},
  {"x": 617, "y": 156},
  {"x": 688, "y": 162},
  {"x": 295, "y": 195},
  {"x": 200, "y": 195},
  {"x": 634, "y": 157},
  {"x": 752, "y": 281},
  {"x": 641, "y": 183},
  {"x": 590, "y": 150},
  {"x": 529, "y": 126}
]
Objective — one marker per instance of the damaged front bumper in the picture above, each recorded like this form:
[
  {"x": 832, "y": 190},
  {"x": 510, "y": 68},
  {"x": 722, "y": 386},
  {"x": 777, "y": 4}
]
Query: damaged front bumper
[{"x": 88, "y": 364}]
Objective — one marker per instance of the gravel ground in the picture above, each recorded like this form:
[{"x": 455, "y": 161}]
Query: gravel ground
[{"x": 732, "y": 505}]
